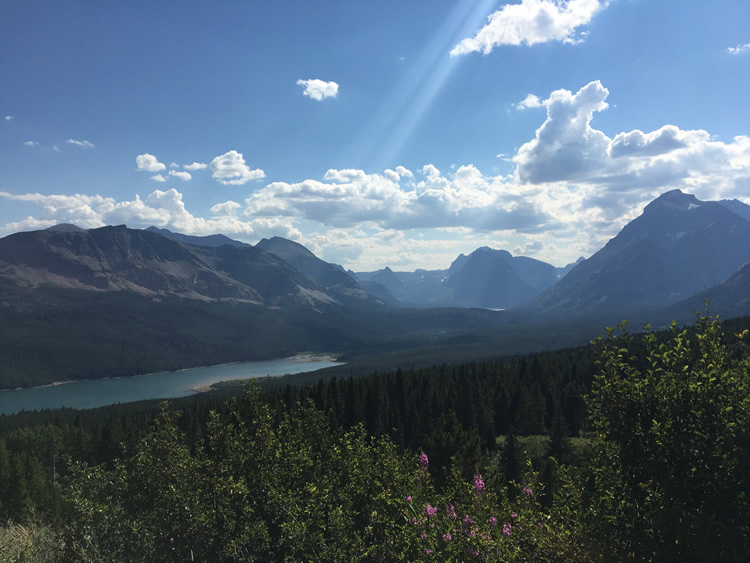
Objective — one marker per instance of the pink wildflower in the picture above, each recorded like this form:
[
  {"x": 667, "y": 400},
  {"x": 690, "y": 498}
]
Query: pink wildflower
[
  {"x": 408, "y": 499},
  {"x": 507, "y": 530},
  {"x": 527, "y": 491},
  {"x": 430, "y": 511},
  {"x": 428, "y": 551},
  {"x": 468, "y": 520},
  {"x": 513, "y": 515},
  {"x": 451, "y": 512},
  {"x": 493, "y": 521},
  {"x": 478, "y": 484},
  {"x": 447, "y": 536},
  {"x": 424, "y": 461}
]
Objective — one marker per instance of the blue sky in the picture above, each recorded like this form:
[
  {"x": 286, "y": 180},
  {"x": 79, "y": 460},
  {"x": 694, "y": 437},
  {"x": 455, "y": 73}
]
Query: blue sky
[{"x": 375, "y": 133}]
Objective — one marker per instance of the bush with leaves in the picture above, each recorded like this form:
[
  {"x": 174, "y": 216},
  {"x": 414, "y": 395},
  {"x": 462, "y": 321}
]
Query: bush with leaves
[
  {"x": 470, "y": 521},
  {"x": 671, "y": 474},
  {"x": 301, "y": 490}
]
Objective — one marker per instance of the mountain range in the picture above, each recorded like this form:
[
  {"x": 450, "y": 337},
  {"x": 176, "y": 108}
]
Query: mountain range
[
  {"x": 679, "y": 247},
  {"x": 127, "y": 301}
]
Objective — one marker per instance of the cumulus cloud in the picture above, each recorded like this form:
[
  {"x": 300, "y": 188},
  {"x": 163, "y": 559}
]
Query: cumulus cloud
[
  {"x": 532, "y": 22},
  {"x": 230, "y": 169},
  {"x": 184, "y": 176},
  {"x": 739, "y": 49},
  {"x": 570, "y": 178},
  {"x": 196, "y": 166},
  {"x": 164, "y": 209},
  {"x": 158, "y": 178},
  {"x": 8, "y": 118},
  {"x": 566, "y": 147},
  {"x": 405, "y": 172},
  {"x": 149, "y": 163},
  {"x": 638, "y": 143},
  {"x": 31, "y": 144},
  {"x": 629, "y": 169},
  {"x": 226, "y": 208},
  {"x": 85, "y": 144},
  {"x": 347, "y": 198},
  {"x": 573, "y": 187},
  {"x": 319, "y": 89},
  {"x": 530, "y": 101}
]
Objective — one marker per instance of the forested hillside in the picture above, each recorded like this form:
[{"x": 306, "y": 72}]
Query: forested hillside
[{"x": 496, "y": 460}]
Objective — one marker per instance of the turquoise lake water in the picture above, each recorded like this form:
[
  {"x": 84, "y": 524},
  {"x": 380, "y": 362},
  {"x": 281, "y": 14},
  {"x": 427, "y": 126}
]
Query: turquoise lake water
[{"x": 167, "y": 385}]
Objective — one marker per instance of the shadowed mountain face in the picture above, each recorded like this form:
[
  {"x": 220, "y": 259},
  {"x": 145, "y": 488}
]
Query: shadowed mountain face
[
  {"x": 144, "y": 262},
  {"x": 336, "y": 281},
  {"x": 678, "y": 247}
]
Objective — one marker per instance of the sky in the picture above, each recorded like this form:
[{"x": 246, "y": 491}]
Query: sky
[{"x": 375, "y": 133}]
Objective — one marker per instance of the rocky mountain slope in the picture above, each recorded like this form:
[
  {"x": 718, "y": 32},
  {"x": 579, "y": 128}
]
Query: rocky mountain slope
[
  {"x": 678, "y": 247},
  {"x": 148, "y": 263}
]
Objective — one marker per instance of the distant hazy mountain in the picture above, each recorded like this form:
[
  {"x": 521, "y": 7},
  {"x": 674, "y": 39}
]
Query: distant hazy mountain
[
  {"x": 678, "y": 247},
  {"x": 485, "y": 278},
  {"x": 148, "y": 263}
]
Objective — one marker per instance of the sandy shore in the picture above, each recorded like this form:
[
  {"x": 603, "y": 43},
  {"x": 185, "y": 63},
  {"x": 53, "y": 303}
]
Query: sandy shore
[{"x": 299, "y": 358}]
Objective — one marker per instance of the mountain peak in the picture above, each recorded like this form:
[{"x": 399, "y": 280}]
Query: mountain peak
[
  {"x": 675, "y": 199},
  {"x": 64, "y": 228}
]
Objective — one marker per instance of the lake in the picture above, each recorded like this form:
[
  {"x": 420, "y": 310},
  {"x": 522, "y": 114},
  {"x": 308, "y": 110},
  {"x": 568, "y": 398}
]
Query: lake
[{"x": 167, "y": 385}]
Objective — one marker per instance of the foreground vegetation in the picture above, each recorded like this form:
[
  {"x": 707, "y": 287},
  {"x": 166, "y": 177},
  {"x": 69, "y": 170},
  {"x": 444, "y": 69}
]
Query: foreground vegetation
[{"x": 412, "y": 465}]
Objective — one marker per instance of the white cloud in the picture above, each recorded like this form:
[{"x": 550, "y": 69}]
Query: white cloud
[
  {"x": 226, "y": 208},
  {"x": 530, "y": 101},
  {"x": 348, "y": 198},
  {"x": 82, "y": 210},
  {"x": 149, "y": 163},
  {"x": 184, "y": 176},
  {"x": 230, "y": 169},
  {"x": 319, "y": 89},
  {"x": 566, "y": 147},
  {"x": 31, "y": 144},
  {"x": 430, "y": 171},
  {"x": 629, "y": 169},
  {"x": 158, "y": 178},
  {"x": 637, "y": 143},
  {"x": 8, "y": 118},
  {"x": 55, "y": 148},
  {"x": 196, "y": 166},
  {"x": 164, "y": 209},
  {"x": 739, "y": 49},
  {"x": 85, "y": 144},
  {"x": 531, "y": 22},
  {"x": 573, "y": 187},
  {"x": 29, "y": 224},
  {"x": 174, "y": 165}
]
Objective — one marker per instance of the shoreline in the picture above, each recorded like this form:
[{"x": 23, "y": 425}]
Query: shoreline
[
  {"x": 302, "y": 358},
  {"x": 298, "y": 358}
]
